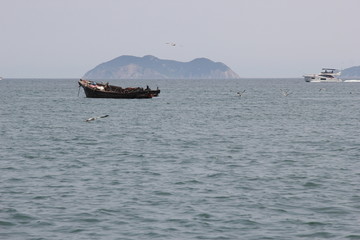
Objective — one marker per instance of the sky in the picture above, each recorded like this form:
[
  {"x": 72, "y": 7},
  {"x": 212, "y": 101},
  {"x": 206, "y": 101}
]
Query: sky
[{"x": 255, "y": 38}]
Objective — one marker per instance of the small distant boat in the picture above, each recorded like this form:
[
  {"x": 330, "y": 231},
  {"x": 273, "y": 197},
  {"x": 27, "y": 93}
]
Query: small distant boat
[
  {"x": 326, "y": 75},
  {"x": 101, "y": 90}
]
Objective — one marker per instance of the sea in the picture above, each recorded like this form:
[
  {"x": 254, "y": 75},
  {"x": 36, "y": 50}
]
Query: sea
[{"x": 207, "y": 159}]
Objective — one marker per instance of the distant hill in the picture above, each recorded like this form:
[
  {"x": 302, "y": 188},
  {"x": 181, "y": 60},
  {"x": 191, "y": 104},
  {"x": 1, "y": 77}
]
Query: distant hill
[
  {"x": 351, "y": 73},
  {"x": 150, "y": 67}
]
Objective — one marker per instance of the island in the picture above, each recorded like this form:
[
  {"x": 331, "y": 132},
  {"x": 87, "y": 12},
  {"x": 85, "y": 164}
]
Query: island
[
  {"x": 150, "y": 67},
  {"x": 351, "y": 73}
]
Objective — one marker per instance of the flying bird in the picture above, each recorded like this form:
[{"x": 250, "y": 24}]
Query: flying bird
[
  {"x": 171, "y": 44},
  {"x": 285, "y": 92},
  {"x": 241, "y": 93},
  {"x": 94, "y": 118}
]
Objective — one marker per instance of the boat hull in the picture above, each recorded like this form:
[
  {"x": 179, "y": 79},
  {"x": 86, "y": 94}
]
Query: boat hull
[
  {"x": 90, "y": 93},
  {"x": 318, "y": 79}
]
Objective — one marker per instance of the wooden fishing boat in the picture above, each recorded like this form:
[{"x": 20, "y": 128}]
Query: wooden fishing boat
[{"x": 101, "y": 90}]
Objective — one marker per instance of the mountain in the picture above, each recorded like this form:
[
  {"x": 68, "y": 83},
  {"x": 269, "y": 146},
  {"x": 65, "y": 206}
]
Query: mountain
[
  {"x": 150, "y": 67},
  {"x": 352, "y": 72}
]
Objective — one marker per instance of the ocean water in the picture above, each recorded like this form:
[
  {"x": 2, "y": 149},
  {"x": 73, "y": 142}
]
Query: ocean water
[{"x": 198, "y": 162}]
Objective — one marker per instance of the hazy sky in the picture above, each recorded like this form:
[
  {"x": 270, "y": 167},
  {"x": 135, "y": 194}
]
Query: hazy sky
[{"x": 255, "y": 38}]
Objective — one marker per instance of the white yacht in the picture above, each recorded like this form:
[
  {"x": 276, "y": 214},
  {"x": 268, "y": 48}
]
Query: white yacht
[{"x": 326, "y": 75}]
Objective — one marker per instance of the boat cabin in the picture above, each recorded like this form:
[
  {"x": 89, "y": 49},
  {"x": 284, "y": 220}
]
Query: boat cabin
[{"x": 329, "y": 70}]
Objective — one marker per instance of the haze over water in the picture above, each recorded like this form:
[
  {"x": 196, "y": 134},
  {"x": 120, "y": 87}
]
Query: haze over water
[{"x": 198, "y": 162}]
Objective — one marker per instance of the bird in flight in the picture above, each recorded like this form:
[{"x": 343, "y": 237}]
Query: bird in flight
[
  {"x": 94, "y": 118},
  {"x": 171, "y": 44},
  {"x": 241, "y": 93},
  {"x": 285, "y": 92}
]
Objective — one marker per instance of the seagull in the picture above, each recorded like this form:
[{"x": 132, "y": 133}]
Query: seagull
[
  {"x": 94, "y": 118},
  {"x": 241, "y": 93},
  {"x": 321, "y": 89},
  {"x": 171, "y": 44},
  {"x": 285, "y": 92}
]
